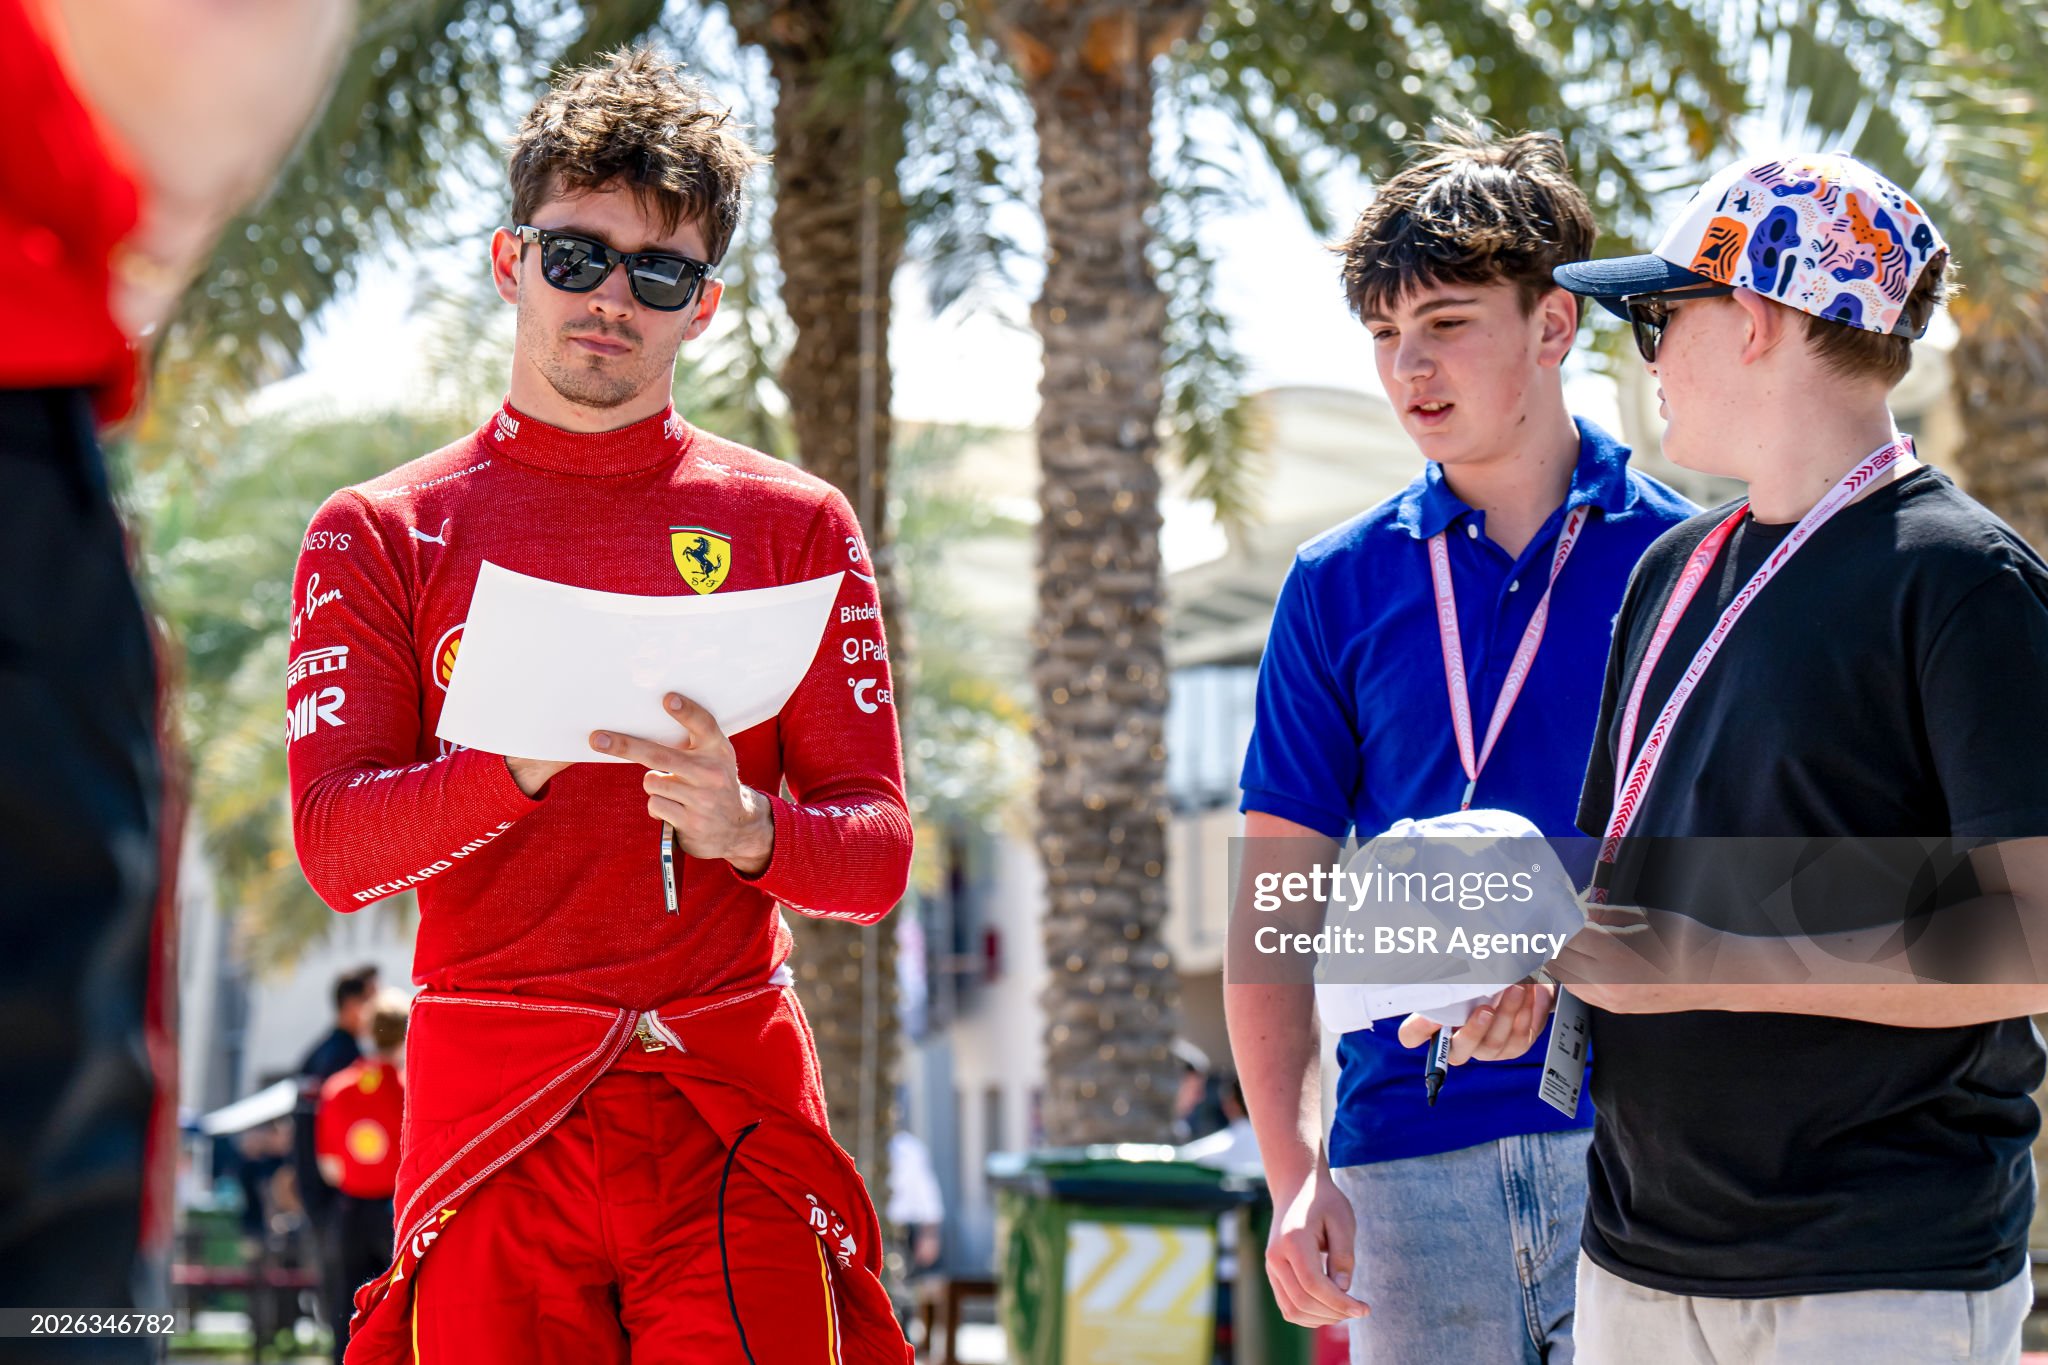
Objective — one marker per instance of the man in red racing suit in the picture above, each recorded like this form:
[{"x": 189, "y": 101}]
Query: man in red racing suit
[{"x": 615, "y": 1145}]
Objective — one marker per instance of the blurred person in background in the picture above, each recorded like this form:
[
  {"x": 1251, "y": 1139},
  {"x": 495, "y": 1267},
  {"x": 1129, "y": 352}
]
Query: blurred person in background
[
  {"x": 1235, "y": 1144},
  {"x": 262, "y": 1152},
  {"x": 135, "y": 130},
  {"x": 355, "y": 991},
  {"x": 362, "y": 1113},
  {"x": 917, "y": 1207},
  {"x": 1197, "y": 1110},
  {"x": 341, "y": 1047}
]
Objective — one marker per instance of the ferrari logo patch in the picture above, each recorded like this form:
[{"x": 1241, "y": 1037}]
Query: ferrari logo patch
[{"x": 702, "y": 556}]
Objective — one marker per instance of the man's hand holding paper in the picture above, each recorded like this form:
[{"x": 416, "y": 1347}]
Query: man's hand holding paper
[{"x": 695, "y": 786}]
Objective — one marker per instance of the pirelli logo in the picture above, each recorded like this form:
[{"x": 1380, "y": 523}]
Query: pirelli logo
[{"x": 314, "y": 662}]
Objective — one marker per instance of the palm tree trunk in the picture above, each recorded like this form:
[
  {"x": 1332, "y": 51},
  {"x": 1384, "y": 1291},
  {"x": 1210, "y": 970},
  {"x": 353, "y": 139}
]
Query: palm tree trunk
[
  {"x": 2004, "y": 408},
  {"x": 1098, "y": 648},
  {"x": 839, "y": 233}
]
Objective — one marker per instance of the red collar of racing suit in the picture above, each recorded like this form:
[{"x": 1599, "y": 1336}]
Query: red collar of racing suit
[{"x": 649, "y": 443}]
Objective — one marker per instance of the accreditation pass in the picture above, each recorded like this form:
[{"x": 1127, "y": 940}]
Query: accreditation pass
[{"x": 1564, "y": 1064}]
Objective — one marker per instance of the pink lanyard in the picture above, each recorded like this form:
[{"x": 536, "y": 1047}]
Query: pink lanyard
[
  {"x": 1629, "y": 788},
  {"x": 1518, "y": 667}
]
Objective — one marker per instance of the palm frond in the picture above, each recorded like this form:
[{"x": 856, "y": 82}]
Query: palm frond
[
  {"x": 608, "y": 24},
  {"x": 1215, "y": 433},
  {"x": 217, "y": 558},
  {"x": 969, "y": 176},
  {"x": 417, "y": 98}
]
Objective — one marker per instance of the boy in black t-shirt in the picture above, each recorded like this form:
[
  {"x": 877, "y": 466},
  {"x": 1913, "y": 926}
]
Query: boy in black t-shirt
[{"x": 1862, "y": 651}]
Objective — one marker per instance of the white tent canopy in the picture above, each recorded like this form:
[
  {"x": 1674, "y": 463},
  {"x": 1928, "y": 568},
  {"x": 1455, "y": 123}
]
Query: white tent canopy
[{"x": 270, "y": 1103}]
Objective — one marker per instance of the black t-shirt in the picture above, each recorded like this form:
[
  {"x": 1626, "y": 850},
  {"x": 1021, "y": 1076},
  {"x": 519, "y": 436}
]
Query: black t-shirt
[{"x": 1891, "y": 681}]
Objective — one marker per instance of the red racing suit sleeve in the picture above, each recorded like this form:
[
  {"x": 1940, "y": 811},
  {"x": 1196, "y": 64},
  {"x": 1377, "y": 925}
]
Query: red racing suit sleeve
[
  {"x": 368, "y": 818},
  {"x": 842, "y": 844}
]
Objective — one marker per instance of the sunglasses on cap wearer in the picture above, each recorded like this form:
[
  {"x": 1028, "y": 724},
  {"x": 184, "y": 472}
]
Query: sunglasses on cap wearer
[
  {"x": 661, "y": 280},
  {"x": 1648, "y": 314}
]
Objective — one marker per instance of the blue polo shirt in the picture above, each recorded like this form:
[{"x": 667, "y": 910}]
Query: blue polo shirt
[{"x": 1352, "y": 732}]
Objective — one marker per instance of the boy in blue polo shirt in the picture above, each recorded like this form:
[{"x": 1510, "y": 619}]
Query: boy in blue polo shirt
[{"x": 1445, "y": 1233}]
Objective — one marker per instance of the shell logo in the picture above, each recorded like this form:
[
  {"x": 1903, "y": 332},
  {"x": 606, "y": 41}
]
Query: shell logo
[
  {"x": 367, "y": 1142},
  {"x": 445, "y": 650}
]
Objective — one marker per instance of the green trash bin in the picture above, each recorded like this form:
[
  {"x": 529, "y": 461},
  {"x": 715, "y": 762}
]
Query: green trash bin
[{"x": 1108, "y": 1255}]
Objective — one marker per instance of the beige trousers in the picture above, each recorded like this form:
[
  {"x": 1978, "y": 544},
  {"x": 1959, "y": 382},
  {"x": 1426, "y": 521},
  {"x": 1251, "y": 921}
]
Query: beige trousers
[{"x": 1621, "y": 1323}]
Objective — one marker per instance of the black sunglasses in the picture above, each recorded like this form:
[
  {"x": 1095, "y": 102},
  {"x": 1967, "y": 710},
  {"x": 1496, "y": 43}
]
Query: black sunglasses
[
  {"x": 1649, "y": 314},
  {"x": 660, "y": 279}
]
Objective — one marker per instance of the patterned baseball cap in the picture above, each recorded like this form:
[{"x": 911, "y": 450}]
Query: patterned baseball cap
[{"x": 1822, "y": 233}]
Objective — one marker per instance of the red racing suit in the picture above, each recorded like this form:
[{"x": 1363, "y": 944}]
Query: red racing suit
[{"x": 553, "y": 907}]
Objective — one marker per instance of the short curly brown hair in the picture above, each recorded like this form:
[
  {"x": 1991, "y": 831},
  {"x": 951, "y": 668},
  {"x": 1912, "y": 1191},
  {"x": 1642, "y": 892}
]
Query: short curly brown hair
[
  {"x": 636, "y": 118},
  {"x": 1468, "y": 208}
]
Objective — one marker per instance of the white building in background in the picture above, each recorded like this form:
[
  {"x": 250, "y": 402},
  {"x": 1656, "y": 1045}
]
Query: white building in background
[{"x": 209, "y": 988}]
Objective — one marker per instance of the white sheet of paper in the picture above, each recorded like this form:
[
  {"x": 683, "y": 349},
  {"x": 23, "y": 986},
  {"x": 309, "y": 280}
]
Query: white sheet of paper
[{"x": 543, "y": 664}]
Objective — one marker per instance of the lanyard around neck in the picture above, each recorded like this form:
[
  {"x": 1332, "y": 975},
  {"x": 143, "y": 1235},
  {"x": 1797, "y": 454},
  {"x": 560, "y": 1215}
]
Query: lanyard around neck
[
  {"x": 1518, "y": 668},
  {"x": 1632, "y": 781}
]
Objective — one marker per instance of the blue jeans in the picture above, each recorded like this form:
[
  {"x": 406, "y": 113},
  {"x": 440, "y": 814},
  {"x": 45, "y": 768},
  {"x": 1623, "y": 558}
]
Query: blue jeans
[{"x": 1469, "y": 1256}]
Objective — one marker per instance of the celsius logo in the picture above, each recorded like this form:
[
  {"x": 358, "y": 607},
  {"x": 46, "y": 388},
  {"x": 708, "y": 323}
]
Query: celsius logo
[
  {"x": 314, "y": 662},
  {"x": 508, "y": 426},
  {"x": 445, "y": 650},
  {"x": 847, "y": 615},
  {"x": 863, "y": 688},
  {"x": 312, "y": 711}
]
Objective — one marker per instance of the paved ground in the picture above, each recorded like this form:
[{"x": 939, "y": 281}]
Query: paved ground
[{"x": 980, "y": 1344}]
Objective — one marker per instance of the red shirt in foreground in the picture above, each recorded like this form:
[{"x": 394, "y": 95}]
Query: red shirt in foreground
[
  {"x": 66, "y": 202},
  {"x": 562, "y": 896},
  {"x": 361, "y": 1114}
]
